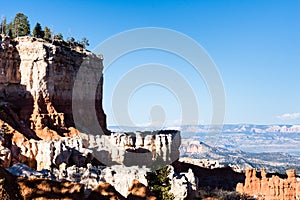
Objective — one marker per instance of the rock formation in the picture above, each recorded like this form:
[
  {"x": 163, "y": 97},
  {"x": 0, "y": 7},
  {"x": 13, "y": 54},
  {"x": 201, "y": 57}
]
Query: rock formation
[
  {"x": 149, "y": 148},
  {"x": 36, "y": 81},
  {"x": 127, "y": 181},
  {"x": 183, "y": 184},
  {"x": 122, "y": 178},
  {"x": 42, "y": 136},
  {"x": 222, "y": 178},
  {"x": 40, "y": 154},
  {"x": 274, "y": 187},
  {"x": 69, "y": 159},
  {"x": 117, "y": 148}
]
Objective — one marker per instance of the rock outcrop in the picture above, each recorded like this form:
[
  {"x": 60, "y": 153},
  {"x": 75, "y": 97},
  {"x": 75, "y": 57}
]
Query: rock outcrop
[
  {"x": 43, "y": 141},
  {"x": 36, "y": 82},
  {"x": 36, "y": 99},
  {"x": 122, "y": 178},
  {"x": 41, "y": 154},
  {"x": 69, "y": 159},
  {"x": 183, "y": 184},
  {"x": 117, "y": 148},
  {"x": 149, "y": 148},
  {"x": 127, "y": 182},
  {"x": 264, "y": 187},
  {"x": 222, "y": 178}
]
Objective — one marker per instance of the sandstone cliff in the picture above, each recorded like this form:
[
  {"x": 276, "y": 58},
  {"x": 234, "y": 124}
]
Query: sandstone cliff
[
  {"x": 265, "y": 187},
  {"x": 37, "y": 99},
  {"x": 36, "y": 81}
]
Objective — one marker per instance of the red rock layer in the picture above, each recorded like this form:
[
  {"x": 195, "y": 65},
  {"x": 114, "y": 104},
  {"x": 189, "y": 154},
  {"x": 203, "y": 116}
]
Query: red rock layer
[{"x": 274, "y": 188}]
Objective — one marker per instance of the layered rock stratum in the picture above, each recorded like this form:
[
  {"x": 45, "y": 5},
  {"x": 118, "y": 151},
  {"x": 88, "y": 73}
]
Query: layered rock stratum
[
  {"x": 264, "y": 186},
  {"x": 36, "y": 81},
  {"x": 42, "y": 142}
]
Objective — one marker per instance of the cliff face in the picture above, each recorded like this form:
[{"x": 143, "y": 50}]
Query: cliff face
[
  {"x": 274, "y": 187},
  {"x": 36, "y": 81},
  {"x": 36, "y": 93},
  {"x": 37, "y": 101},
  {"x": 149, "y": 148}
]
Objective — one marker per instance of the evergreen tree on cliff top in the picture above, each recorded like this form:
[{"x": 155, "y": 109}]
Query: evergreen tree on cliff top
[
  {"x": 20, "y": 25},
  {"x": 59, "y": 36},
  {"x": 84, "y": 42},
  {"x": 37, "y": 31},
  {"x": 3, "y": 25},
  {"x": 47, "y": 33}
]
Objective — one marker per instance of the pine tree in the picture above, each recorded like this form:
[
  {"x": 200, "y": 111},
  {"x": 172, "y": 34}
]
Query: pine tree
[
  {"x": 71, "y": 39},
  {"x": 59, "y": 36},
  {"x": 85, "y": 42},
  {"x": 10, "y": 34},
  {"x": 159, "y": 183},
  {"x": 47, "y": 33},
  {"x": 37, "y": 31},
  {"x": 3, "y": 26},
  {"x": 21, "y": 26}
]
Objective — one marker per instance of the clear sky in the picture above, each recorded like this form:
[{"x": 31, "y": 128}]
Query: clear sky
[{"x": 255, "y": 45}]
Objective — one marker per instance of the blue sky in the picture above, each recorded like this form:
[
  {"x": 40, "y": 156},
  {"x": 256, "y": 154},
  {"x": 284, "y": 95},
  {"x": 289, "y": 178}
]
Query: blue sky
[{"x": 254, "y": 44}]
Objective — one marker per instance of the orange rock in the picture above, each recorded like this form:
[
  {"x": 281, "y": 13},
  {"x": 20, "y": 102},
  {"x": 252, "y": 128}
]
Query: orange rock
[
  {"x": 270, "y": 188},
  {"x": 47, "y": 134},
  {"x": 73, "y": 132},
  {"x": 37, "y": 86}
]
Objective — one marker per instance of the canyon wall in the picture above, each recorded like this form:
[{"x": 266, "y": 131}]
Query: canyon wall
[
  {"x": 38, "y": 129},
  {"x": 37, "y": 99},
  {"x": 264, "y": 187},
  {"x": 36, "y": 82}
]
